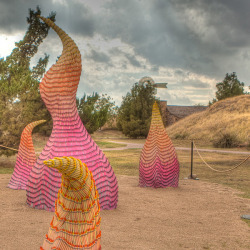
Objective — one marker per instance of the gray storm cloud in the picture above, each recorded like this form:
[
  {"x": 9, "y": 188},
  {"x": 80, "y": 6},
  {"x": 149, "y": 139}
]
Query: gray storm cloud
[{"x": 190, "y": 44}]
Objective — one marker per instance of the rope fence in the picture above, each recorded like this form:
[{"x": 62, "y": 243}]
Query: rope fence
[
  {"x": 8, "y": 148},
  {"x": 197, "y": 150},
  {"x": 216, "y": 170}
]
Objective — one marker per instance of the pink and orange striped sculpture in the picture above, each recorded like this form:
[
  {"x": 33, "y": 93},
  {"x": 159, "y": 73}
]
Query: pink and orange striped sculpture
[
  {"x": 159, "y": 166},
  {"x": 76, "y": 222},
  {"x": 69, "y": 137},
  {"x": 26, "y": 158}
]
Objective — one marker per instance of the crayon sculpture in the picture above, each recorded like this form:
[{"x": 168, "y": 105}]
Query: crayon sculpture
[
  {"x": 159, "y": 166},
  {"x": 69, "y": 137},
  {"x": 26, "y": 158},
  {"x": 76, "y": 222}
]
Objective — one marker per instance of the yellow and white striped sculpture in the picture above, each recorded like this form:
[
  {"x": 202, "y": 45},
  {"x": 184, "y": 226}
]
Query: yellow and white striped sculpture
[{"x": 76, "y": 222}]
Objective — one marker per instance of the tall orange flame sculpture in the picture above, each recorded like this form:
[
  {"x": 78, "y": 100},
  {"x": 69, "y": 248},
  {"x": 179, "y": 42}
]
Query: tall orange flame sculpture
[
  {"x": 26, "y": 158},
  {"x": 76, "y": 222},
  {"x": 69, "y": 137},
  {"x": 159, "y": 166}
]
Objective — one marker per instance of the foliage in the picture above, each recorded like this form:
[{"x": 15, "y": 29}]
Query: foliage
[
  {"x": 95, "y": 111},
  {"x": 20, "y": 101},
  {"x": 226, "y": 140},
  {"x": 229, "y": 87},
  {"x": 199, "y": 105},
  {"x": 181, "y": 136},
  {"x": 134, "y": 115}
]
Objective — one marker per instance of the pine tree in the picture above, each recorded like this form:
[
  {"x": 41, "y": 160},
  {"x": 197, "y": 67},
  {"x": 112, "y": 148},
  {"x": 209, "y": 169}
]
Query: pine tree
[
  {"x": 229, "y": 87},
  {"x": 134, "y": 115},
  {"x": 20, "y": 101}
]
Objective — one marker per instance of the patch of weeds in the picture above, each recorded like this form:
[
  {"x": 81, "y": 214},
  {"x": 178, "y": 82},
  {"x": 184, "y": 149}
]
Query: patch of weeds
[
  {"x": 226, "y": 141},
  {"x": 181, "y": 136},
  {"x": 247, "y": 221},
  {"x": 6, "y": 170}
]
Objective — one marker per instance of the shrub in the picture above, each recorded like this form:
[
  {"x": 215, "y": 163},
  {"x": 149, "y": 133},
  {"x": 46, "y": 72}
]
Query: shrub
[
  {"x": 226, "y": 141},
  {"x": 181, "y": 136}
]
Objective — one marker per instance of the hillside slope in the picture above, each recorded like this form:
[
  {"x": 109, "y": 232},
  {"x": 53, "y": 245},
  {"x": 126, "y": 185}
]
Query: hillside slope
[{"x": 231, "y": 116}]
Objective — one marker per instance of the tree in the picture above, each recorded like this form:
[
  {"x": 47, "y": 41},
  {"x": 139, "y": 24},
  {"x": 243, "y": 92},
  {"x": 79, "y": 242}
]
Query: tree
[
  {"x": 135, "y": 113},
  {"x": 95, "y": 110},
  {"x": 229, "y": 87},
  {"x": 20, "y": 101}
]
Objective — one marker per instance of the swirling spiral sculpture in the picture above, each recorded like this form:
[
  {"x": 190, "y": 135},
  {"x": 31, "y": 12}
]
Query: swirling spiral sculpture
[
  {"x": 26, "y": 158},
  {"x": 69, "y": 137},
  {"x": 76, "y": 222},
  {"x": 159, "y": 166}
]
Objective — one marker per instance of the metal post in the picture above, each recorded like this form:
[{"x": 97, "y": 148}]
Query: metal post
[{"x": 192, "y": 150}]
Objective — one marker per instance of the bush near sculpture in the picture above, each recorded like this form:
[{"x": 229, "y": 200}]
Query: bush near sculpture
[
  {"x": 20, "y": 101},
  {"x": 134, "y": 114},
  {"x": 96, "y": 110},
  {"x": 226, "y": 141}
]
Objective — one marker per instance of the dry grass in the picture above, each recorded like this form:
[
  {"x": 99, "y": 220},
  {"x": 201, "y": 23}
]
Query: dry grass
[
  {"x": 7, "y": 164},
  {"x": 106, "y": 144},
  {"x": 107, "y": 134},
  {"x": 230, "y": 116},
  {"x": 126, "y": 162},
  {"x": 247, "y": 221},
  {"x": 39, "y": 142},
  {"x": 238, "y": 178}
]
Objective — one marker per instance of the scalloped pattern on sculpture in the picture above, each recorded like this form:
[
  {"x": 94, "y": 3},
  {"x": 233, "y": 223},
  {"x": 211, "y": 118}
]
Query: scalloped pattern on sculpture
[
  {"x": 159, "y": 166},
  {"x": 76, "y": 221},
  {"x": 26, "y": 158},
  {"x": 69, "y": 137}
]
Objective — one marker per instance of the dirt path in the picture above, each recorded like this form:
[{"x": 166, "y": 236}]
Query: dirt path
[
  {"x": 197, "y": 215},
  {"x": 140, "y": 145}
]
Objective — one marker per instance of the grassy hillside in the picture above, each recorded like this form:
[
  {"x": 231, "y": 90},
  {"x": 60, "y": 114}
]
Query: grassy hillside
[{"x": 229, "y": 116}]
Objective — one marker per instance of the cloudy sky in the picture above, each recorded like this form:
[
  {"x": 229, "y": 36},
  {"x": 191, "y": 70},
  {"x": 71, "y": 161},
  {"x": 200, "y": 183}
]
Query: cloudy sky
[{"x": 189, "y": 44}]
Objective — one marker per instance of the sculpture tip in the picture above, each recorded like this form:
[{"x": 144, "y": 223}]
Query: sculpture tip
[{"x": 48, "y": 163}]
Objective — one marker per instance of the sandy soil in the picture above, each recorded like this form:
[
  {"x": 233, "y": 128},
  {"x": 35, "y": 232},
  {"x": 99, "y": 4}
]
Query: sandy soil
[{"x": 197, "y": 215}]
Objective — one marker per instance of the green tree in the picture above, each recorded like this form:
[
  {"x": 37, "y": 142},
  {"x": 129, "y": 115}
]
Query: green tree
[
  {"x": 95, "y": 110},
  {"x": 20, "y": 101},
  {"x": 229, "y": 87},
  {"x": 135, "y": 113}
]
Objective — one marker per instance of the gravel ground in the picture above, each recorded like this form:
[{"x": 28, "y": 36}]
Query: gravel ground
[{"x": 196, "y": 215}]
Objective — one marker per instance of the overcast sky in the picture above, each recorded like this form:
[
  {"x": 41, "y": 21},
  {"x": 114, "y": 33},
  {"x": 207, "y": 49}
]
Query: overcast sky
[{"x": 189, "y": 44}]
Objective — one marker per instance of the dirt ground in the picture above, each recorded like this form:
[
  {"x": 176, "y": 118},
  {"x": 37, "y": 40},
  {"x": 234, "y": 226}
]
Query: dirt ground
[{"x": 196, "y": 215}]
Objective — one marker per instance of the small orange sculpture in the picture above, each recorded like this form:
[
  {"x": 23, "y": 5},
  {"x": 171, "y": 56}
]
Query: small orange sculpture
[{"x": 26, "y": 158}]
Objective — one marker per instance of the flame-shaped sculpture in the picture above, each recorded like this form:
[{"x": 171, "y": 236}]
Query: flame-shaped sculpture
[
  {"x": 76, "y": 222},
  {"x": 69, "y": 137},
  {"x": 26, "y": 158},
  {"x": 159, "y": 166}
]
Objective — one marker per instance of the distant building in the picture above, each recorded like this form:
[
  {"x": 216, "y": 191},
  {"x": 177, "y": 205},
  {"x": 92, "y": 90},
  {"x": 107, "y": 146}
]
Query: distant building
[
  {"x": 173, "y": 113},
  {"x": 170, "y": 114}
]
